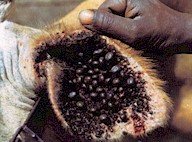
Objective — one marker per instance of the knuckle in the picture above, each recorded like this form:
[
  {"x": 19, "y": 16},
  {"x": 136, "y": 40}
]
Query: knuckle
[
  {"x": 121, "y": 1},
  {"x": 135, "y": 31},
  {"x": 103, "y": 21}
]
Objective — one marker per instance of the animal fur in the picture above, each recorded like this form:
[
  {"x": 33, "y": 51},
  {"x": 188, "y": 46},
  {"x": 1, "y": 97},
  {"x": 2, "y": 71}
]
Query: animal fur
[
  {"x": 16, "y": 79},
  {"x": 5, "y": 8}
]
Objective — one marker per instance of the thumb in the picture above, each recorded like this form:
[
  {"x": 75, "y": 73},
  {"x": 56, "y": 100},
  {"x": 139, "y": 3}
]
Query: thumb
[{"x": 109, "y": 24}]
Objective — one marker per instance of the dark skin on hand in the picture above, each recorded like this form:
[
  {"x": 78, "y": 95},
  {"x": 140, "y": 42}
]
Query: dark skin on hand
[
  {"x": 164, "y": 25},
  {"x": 179, "y": 5}
]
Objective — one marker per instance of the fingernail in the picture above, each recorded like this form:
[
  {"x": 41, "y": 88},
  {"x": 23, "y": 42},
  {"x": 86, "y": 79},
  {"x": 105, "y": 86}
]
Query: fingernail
[{"x": 86, "y": 17}]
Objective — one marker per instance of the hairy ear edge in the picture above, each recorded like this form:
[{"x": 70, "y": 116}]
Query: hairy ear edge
[{"x": 60, "y": 60}]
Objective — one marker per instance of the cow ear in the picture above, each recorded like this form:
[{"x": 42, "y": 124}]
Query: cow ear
[{"x": 101, "y": 88}]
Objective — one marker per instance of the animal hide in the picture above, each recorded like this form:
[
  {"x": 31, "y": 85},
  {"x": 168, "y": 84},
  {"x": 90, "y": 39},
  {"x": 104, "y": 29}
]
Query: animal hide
[{"x": 17, "y": 95}]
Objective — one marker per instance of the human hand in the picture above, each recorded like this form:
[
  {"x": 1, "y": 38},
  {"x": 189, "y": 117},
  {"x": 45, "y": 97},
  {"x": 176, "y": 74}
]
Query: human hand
[
  {"x": 141, "y": 23},
  {"x": 179, "y": 5}
]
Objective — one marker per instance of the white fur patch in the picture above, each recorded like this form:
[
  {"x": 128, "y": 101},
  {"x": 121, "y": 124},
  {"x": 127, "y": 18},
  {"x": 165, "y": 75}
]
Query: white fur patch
[{"x": 16, "y": 94}]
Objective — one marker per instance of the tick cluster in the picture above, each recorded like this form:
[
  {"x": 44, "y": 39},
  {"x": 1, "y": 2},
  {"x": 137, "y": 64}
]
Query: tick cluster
[{"x": 98, "y": 86}]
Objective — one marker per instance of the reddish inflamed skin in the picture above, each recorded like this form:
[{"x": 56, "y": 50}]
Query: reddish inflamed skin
[{"x": 99, "y": 88}]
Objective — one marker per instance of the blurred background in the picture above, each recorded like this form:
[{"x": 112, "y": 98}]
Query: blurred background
[
  {"x": 36, "y": 13},
  {"x": 177, "y": 69}
]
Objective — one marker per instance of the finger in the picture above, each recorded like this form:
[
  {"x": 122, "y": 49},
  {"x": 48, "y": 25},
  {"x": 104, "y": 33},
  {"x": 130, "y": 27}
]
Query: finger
[
  {"x": 132, "y": 12},
  {"x": 125, "y": 8},
  {"x": 86, "y": 17},
  {"x": 114, "y": 6},
  {"x": 109, "y": 24}
]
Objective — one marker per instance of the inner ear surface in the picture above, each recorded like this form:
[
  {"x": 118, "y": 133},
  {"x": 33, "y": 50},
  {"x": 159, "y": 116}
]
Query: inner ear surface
[{"x": 97, "y": 87}]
